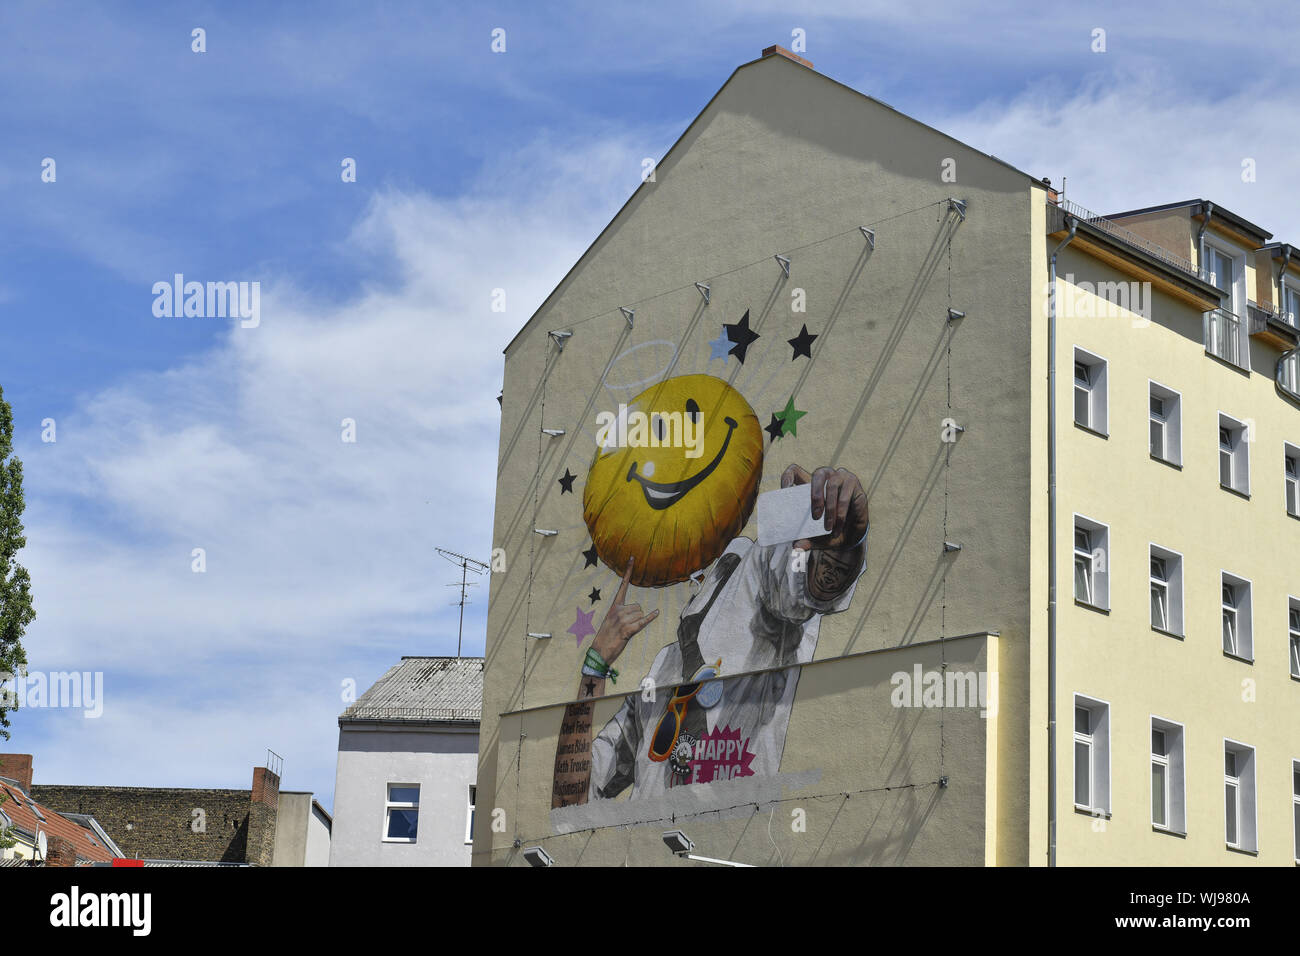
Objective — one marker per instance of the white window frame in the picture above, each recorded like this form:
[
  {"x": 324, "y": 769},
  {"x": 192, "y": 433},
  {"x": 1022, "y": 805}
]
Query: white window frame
[
  {"x": 1243, "y": 616},
  {"x": 1288, "y": 309},
  {"x": 1173, "y": 583},
  {"x": 1291, "y": 479},
  {"x": 1161, "y": 760},
  {"x": 390, "y": 804},
  {"x": 1236, "y": 306},
  {"x": 1246, "y": 804},
  {"x": 472, "y": 797},
  {"x": 1175, "y": 764},
  {"x": 1293, "y": 637},
  {"x": 1172, "y": 422},
  {"x": 1238, "y": 452},
  {"x": 1099, "y": 571},
  {"x": 1098, "y": 389},
  {"x": 1097, "y": 740},
  {"x": 1295, "y": 806}
]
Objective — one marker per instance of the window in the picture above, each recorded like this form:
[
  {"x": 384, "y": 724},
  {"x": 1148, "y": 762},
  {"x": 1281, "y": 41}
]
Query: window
[
  {"x": 1091, "y": 754},
  {"x": 401, "y": 812},
  {"x": 1239, "y": 796},
  {"x": 1091, "y": 570},
  {"x": 1223, "y": 325},
  {"x": 1234, "y": 455},
  {"x": 1291, "y": 476},
  {"x": 1165, "y": 414},
  {"x": 1293, "y": 626},
  {"x": 1159, "y": 778},
  {"x": 1159, "y": 594},
  {"x": 469, "y": 822},
  {"x": 1232, "y": 798},
  {"x": 1236, "y": 613},
  {"x": 1083, "y": 573},
  {"x": 1089, "y": 391},
  {"x": 1168, "y": 802},
  {"x": 1221, "y": 272},
  {"x": 1166, "y": 590},
  {"x": 1295, "y": 806},
  {"x": 1291, "y": 304},
  {"x": 1288, "y": 374}
]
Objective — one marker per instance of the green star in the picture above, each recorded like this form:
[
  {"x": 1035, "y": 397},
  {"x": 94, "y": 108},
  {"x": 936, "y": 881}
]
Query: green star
[{"x": 789, "y": 418}]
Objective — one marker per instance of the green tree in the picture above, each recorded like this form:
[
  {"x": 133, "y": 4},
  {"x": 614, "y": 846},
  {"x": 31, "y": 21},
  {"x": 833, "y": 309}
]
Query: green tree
[
  {"x": 16, "y": 610},
  {"x": 6, "y": 841}
]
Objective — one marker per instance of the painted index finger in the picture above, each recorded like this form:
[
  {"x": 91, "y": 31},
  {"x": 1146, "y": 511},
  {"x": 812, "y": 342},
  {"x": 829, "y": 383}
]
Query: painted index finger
[{"x": 622, "y": 588}]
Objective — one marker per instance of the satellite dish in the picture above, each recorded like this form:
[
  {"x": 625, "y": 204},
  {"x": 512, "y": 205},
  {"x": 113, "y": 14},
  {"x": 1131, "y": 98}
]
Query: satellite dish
[{"x": 40, "y": 843}]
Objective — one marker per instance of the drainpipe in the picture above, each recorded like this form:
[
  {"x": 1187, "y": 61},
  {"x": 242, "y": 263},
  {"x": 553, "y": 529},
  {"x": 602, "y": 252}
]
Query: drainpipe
[
  {"x": 1051, "y": 545},
  {"x": 1207, "y": 210},
  {"x": 1281, "y": 287}
]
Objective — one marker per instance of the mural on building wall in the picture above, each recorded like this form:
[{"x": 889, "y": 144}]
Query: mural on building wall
[{"x": 674, "y": 479}]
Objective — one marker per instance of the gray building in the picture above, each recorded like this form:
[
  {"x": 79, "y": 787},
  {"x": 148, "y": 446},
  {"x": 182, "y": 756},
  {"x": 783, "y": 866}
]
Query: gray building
[
  {"x": 408, "y": 753},
  {"x": 302, "y": 836}
]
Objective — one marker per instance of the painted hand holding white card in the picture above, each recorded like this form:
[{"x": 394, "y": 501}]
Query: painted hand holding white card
[{"x": 786, "y": 515}]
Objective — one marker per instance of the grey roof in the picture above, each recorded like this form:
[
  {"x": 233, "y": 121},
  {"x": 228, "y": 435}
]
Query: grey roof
[{"x": 424, "y": 688}]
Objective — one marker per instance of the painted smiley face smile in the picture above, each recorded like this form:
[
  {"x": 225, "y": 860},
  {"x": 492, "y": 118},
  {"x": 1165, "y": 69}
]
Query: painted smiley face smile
[{"x": 660, "y": 496}]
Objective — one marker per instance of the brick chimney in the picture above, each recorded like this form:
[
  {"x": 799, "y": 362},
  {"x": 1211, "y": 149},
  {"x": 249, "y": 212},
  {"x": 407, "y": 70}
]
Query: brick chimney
[
  {"x": 782, "y": 51},
  {"x": 266, "y": 787},
  {"x": 17, "y": 767},
  {"x": 262, "y": 817},
  {"x": 59, "y": 851}
]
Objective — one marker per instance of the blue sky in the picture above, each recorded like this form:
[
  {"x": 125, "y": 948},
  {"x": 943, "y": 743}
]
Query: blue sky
[{"x": 475, "y": 171}]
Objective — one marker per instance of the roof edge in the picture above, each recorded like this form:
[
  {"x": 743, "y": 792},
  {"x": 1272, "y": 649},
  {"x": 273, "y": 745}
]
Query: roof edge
[{"x": 1033, "y": 181}]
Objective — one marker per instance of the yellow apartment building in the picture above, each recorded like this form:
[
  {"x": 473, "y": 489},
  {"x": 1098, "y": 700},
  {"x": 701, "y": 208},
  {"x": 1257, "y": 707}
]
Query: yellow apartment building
[{"x": 863, "y": 501}]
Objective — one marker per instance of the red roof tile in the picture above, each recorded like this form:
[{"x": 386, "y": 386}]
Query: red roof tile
[{"x": 21, "y": 809}]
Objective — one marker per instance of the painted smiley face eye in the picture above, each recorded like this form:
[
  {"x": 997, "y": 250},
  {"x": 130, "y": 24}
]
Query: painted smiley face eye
[
  {"x": 693, "y": 410},
  {"x": 657, "y": 426}
]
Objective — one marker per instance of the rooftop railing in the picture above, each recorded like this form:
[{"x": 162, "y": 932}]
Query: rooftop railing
[{"x": 1128, "y": 237}]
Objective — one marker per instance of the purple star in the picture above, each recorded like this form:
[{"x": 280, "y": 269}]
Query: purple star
[
  {"x": 582, "y": 626},
  {"x": 720, "y": 347}
]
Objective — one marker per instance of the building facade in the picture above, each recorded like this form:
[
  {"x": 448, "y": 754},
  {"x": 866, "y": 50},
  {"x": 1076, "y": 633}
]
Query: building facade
[
  {"x": 260, "y": 826},
  {"x": 39, "y": 834},
  {"x": 818, "y": 304},
  {"x": 404, "y": 792}
]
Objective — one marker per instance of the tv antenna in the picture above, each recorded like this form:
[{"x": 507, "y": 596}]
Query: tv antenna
[{"x": 466, "y": 566}]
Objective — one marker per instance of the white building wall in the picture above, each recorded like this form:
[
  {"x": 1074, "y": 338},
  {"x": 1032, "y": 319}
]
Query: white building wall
[
  {"x": 318, "y": 839},
  {"x": 441, "y": 758}
]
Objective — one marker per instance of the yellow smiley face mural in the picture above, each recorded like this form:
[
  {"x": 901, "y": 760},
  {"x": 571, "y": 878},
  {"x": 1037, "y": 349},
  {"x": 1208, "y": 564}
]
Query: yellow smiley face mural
[{"x": 674, "y": 480}]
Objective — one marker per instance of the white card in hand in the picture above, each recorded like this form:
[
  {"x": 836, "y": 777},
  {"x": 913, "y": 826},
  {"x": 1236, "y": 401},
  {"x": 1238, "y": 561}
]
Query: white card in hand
[{"x": 786, "y": 515}]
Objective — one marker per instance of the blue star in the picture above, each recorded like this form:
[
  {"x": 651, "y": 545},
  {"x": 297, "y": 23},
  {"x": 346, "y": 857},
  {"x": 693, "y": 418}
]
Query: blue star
[{"x": 720, "y": 347}]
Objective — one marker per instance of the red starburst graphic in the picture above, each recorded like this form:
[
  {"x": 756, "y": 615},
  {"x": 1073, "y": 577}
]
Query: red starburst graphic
[{"x": 722, "y": 755}]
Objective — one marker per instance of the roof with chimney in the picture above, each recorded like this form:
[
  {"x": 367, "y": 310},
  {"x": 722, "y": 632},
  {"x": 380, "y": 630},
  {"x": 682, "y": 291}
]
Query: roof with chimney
[
  {"x": 424, "y": 688},
  {"x": 27, "y": 817}
]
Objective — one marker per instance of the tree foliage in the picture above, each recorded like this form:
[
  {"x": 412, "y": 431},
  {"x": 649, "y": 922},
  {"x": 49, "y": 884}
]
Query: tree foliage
[{"x": 16, "y": 610}]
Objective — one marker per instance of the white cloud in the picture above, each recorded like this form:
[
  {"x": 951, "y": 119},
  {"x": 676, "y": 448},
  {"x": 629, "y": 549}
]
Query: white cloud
[
  {"x": 320, "y": 554},
  {"x": 1135, "y": 139}
]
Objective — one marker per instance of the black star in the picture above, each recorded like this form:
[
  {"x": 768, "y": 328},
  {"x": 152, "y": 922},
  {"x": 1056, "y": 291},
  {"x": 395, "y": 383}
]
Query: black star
[
  {"x": 802, "y": 344},
  {"x": 590, "y": 688},
  {"x": 566, "y": 483},
  {"x": 774, "y": 428},
  {"x": 741, "y": 335},
  {"x": 594, "y": 595},
  {"x": 590, "y": 555}
]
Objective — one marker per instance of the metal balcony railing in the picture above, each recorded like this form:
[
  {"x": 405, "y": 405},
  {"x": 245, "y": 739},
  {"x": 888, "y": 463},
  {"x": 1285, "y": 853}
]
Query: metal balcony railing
[
  {"x": 1127, "y": 237},
  {"x": 1223, "y": 335},
  {"x": 1269, "y": 312}
]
